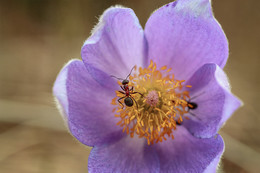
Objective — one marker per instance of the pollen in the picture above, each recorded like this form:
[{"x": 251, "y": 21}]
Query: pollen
[{"x": 159, "y": 104}]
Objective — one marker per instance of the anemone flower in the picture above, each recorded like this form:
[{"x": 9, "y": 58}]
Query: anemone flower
[{"x": 150, "y": 100}]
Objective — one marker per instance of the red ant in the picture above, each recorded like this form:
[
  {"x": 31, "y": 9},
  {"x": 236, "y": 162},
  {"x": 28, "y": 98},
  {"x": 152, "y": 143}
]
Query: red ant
[{"x": 128, "y": 99}]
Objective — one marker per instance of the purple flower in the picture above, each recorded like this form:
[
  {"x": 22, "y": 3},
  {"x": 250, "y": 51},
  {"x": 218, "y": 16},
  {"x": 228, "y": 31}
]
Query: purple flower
[{"x": 169, "y": 120}]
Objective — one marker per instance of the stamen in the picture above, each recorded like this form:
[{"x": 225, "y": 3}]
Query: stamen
[
  {"x": 164, "y": 67},
  {"x": 159, "y": 104}
]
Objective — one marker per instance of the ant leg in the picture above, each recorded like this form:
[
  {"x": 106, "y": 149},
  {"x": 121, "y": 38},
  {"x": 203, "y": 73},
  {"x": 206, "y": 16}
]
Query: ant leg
[
  {"x": 121, "y": 102},
  {"x": 122, "y": 88},
  {"x": 137, "y": 93},
  {"x": 121, "y": 92},
  {"x": 134, "y": 101},
  {"x": 132, "y": 89},
  {"x": 196, "y": 96},
  {"x": 194, "y": 115}
]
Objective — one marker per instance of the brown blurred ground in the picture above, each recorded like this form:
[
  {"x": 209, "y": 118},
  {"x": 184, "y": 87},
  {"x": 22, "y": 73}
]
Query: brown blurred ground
[{"x": 38, "y": 36}]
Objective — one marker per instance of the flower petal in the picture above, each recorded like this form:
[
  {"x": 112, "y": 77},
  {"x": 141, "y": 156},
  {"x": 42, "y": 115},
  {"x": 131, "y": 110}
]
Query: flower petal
[
  {"x": 185, "y": 35},
  {"x": 211, "y": 92},
  {"x": 126, "y": 155},
  {"x": 117, "y": 43},
  {"x": 86, "y": 105},
  {"x": 186, "y": 153}
]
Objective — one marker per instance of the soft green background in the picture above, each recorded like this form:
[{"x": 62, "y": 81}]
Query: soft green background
[{"x": 38, "y": 36}]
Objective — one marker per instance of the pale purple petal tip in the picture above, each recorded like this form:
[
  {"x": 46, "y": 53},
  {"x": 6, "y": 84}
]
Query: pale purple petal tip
[
  {"x": 185, "y": 35},
  {"x": 214, "y": 165},
  {"x": 211, "y": 92},
  {"x": 60, "y": 91}
]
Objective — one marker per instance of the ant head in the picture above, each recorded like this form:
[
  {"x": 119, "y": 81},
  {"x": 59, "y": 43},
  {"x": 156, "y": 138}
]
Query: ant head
[{"x": 125, "y": 81}]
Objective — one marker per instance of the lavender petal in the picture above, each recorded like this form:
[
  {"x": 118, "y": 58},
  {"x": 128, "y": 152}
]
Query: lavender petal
[
  {"x": 116, "y": 45},
  {"x": 126, "y": 155},
  {"x": 186, "y": 153},
  {"x": 87, "y": 105},
  {"x": 211, "y": 92},
  {"x": 185, "y": 35}
]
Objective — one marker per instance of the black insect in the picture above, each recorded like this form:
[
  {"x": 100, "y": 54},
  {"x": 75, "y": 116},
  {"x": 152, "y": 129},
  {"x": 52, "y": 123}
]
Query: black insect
[
  {"x": 178, "y": 123},
  {"x": 127, "y": 91},
  {"x": 192, "y": 105}
]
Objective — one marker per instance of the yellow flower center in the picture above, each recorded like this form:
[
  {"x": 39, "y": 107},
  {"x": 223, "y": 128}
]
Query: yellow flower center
[{"x": 159, "y": 103}]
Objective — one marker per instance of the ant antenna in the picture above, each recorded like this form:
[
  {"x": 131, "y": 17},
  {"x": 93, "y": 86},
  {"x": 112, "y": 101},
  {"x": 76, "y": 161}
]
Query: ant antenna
[
  {"x": 197, "y": 95},
  {"x": 121, "y": 78},
  {"x": 116, "y": 77},
  {"x": 130, "y": 72}
]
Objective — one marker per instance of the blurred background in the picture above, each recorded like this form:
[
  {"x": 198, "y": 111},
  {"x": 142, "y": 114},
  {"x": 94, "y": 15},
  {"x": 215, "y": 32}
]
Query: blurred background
[{"x": 37, "y": 37}]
